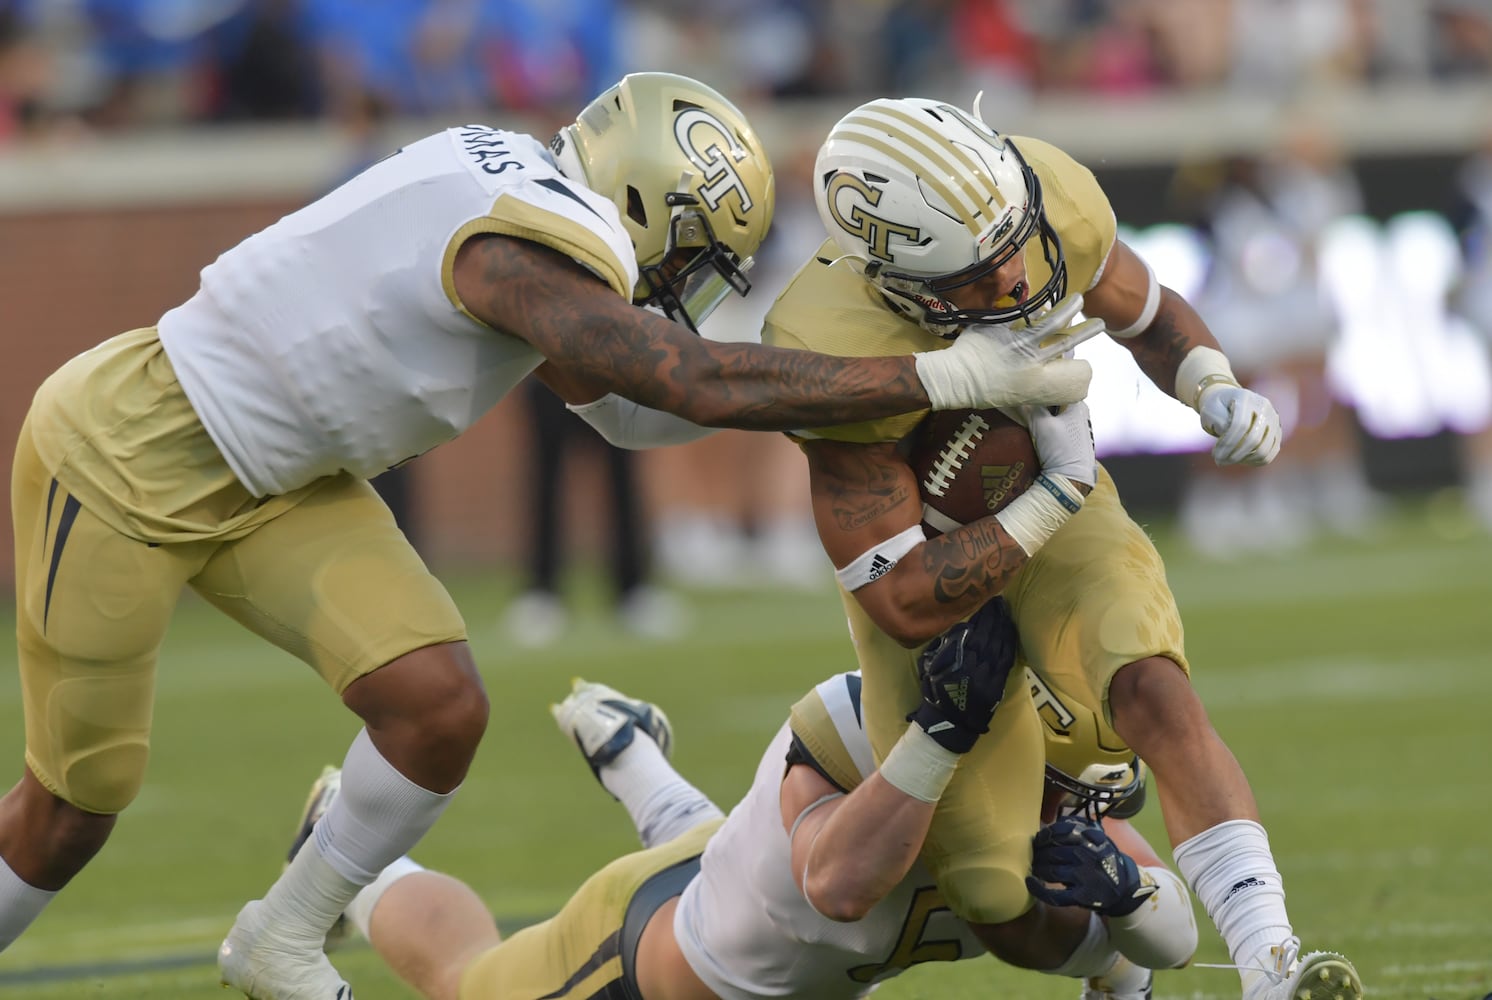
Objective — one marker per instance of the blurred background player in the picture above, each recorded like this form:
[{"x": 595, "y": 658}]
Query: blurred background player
[
  {"x": 1471, "y": 300},
  {"x": 540, "y": 613},
  {"x": 688, "y": 916},
  {"x": 1266, "y": 299}
]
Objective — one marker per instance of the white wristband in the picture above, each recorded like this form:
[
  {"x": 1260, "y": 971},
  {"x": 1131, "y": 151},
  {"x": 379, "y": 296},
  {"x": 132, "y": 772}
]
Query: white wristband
[
  {"x": 1036, "y": 514},
  {"x": 878, "y": 560},
  {"x": 1201, "y": 368},
  {"x": 918, "y": 766},
  {"x": 1147, "y": 312}
]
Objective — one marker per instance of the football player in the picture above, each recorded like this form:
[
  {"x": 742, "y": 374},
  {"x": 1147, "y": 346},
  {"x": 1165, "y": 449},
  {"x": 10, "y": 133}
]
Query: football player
[
  {"x": 938, "y": 225},
  {"x": 810, "y": 889},
  {"x": 227, "y": 449}
]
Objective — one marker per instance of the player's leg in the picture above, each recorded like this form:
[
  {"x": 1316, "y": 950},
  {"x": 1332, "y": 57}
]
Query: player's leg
[
  {"x": 1097, "y": 619},
  {"x": 606, "y": 725},
  {"x": 91, "y": 608},
  {"x": 335, "y": 583}
]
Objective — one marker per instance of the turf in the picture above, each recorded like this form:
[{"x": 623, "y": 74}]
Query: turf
[{"x": 1352, "y": 680}]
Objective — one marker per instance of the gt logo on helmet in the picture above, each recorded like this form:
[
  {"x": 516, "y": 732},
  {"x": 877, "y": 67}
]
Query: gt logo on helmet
[
  {"x": 874, "y": 230},
  {"x": 711, "y": 147}
]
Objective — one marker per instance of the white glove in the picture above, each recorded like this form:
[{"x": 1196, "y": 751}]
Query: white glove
[
  {"x": 1006, "y": 365},
  {"x": 1064, "y": 441},
  {"x": 1245, "y": 424}
]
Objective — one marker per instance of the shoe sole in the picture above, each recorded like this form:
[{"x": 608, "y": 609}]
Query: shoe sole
[{"x": 1324, "y": 975}]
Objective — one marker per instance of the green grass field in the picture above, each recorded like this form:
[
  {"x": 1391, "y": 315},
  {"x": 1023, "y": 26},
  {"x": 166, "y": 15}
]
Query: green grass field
[{"x": 1353, "y": 680}]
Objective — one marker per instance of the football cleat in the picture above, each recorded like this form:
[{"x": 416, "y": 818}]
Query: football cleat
[
  {"x": 1125, "y": 981},
  {"x": 325, "y": 788},
  {"x": 603, "y": 722},
  {"x": 1319, "y": 975},
  {"x": 253, "y": 962}
]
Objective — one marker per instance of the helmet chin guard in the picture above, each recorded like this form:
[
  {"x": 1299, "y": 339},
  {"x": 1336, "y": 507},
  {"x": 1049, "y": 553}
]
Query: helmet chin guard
[{"x": 688, "y": 290}]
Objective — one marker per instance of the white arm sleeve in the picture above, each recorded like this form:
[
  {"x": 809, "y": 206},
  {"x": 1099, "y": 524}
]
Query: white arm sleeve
[{"x": 631, "y": 425}]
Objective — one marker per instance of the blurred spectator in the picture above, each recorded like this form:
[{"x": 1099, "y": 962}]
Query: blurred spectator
[
  {"x": 265, "y": 67},
  {"x": 1472, "y": 301},
  {"x": 538, "y": 616},
  {"x": 24, "y": 71},
  {"x": 1265, "y": 301},
  {"x": 1463, "y": 39}
]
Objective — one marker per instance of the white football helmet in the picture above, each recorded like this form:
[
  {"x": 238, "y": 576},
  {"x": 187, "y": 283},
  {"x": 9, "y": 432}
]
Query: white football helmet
[
  {"x": 1094, "y": 774},
  {"x": 931, "y": 199},
  {"x": 690, "y": 179}
]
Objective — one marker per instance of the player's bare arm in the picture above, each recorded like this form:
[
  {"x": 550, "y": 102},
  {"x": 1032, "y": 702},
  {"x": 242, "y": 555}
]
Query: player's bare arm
[
  {"x": 602, "y": 342},
  {"x": 1119, "y": 299},
  {"x": 849, "y": 851},
  {"x": 865, "y": 495}
]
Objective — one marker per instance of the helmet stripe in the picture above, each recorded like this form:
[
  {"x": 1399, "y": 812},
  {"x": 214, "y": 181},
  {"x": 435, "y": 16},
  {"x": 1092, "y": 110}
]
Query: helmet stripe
[
  {"x": 920, "y": 124},
  {"x": 933, "y": 166}
]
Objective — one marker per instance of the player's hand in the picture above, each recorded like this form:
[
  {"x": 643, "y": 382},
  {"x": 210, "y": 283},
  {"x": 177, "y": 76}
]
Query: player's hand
[
  {"x": 963, "y": 674},
  {"x": 1245, "y": 424},
  {"x": 1087, "y": 868},
  {"x": 1012, "y": 365},
  {"x": 1063, "y": 441}
]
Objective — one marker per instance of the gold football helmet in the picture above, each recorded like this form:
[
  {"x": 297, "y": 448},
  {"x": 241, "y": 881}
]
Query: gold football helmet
[
  {"x": 690, "y": 179},
  {"x": 1094, "y": 775}
]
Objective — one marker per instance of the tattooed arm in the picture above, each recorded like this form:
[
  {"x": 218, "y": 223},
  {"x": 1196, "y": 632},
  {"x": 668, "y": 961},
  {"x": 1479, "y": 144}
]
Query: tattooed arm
[
  {"x": 866, "y": 494},
  {"x": 1119, "y": 299},
  {"x": 601, "y": 343}
]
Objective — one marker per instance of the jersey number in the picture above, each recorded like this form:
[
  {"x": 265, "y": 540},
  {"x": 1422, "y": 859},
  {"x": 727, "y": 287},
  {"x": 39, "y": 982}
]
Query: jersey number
[{"x": 910, "y": 949}]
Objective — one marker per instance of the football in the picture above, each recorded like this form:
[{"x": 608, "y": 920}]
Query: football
[{"x": 969, "y": 464}]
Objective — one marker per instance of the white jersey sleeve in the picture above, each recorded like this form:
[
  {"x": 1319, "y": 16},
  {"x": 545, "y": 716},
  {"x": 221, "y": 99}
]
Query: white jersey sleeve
[
  {"x": 746, "y": 930},
  {"x": 334, "y": 341}
]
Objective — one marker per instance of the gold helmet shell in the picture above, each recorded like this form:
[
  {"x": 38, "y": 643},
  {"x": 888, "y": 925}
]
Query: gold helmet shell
[
  {"x": 1093, "y": 773},
  {"x": 690, "y": 179}
]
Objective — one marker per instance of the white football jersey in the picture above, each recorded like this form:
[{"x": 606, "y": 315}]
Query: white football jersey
[
  {"x": 746, "y": 930},
  {"x": 334, "y": 340}
]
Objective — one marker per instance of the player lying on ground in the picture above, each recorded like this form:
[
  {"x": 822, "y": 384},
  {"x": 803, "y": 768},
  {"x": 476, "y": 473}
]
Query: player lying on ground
[
  {"x": 227, "y": 449},
  {"x": 804, "y": 891}
]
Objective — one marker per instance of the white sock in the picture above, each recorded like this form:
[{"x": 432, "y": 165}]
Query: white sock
[
  {"x": 1093, "y": 956},
  {"x": 376, "y": 818},
  {"x": 360, "y": 910},
  {"x": 661, "y": 803},
  {"x": 1232, "y": 871},
  {"x": 20, "y": 904}
]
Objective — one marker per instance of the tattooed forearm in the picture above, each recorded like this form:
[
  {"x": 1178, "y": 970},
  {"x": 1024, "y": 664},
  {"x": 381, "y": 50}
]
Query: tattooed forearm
[
  {"x": 580, "y": 325},
  {"x": 865, "y": 484},
  {"x": 969, "y": 566},
  {"x": 1160, "y": 350}
]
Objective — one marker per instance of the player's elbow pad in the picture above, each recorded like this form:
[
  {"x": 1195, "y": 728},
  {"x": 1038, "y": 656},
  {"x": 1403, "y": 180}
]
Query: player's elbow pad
[
  {"x": 1162, "y": 933},
  {"x": 631, "y": 425}
]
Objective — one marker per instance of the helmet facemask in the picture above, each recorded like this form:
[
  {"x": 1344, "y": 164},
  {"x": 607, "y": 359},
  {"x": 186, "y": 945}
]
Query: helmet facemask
[
  {"x": 696, "y": 272},
  {"x": 928, "y": 295},
  {"x": 1100, "y": 789}
]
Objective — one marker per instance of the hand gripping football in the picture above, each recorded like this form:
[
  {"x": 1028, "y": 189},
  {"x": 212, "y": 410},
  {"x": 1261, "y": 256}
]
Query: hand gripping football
[{"x": 969, "y": 464}]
